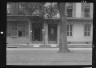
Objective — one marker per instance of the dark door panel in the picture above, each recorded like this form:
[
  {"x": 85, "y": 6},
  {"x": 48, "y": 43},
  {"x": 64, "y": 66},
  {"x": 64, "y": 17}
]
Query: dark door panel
[
  {"x": 36, "y": 32},
  {"x": 52, "y": 32}
]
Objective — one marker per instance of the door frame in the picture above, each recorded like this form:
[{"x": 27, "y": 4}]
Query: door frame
[{"x": 56, "y": 35}]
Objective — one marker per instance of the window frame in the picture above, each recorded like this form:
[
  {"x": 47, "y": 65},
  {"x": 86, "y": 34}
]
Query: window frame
[
  {"x": 87, "y": 13},
  {"x": 8, "y": 7},
  {"x": 87, "y": 30},
  {"x": 86, "y": 6},
  {"x": 26, "y": 31},
  {"x": 69, "y": 7},
  {"x": 14, "y": 28},
  {"x": 69, "y": 30}
]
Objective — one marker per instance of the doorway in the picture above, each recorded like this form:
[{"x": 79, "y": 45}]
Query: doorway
[
  {"x": 37, "y": 32},
  {"x": 52, "y": 33}
]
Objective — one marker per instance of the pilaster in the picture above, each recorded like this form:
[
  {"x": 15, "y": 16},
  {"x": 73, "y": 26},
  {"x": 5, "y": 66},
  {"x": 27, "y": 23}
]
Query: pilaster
[
  {"x": 46, "y": 33},
  {"x": 91, "y": 10},
  {"x": 58, "y": 33},
  {"x": 74, "y": 10}
]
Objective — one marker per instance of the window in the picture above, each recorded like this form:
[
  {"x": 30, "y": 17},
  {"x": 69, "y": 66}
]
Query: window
[
  {"x": 21, "y": 29},
  {"x": 9, "y": 29},
  {"x": 17, "y": 28},
  {"x": 14, "y": 29},
  {"x": 87, "y": 12},
  {"x": 69, "y": 10},
  {"x": 21, "y": 6},
  {"x": 52, "y": 30},
  {"x": 87, "y": 29},
  {"x": 69, "y": 30},
  {"x": 86, "y": 9},
  {"x": 8, "y": 8}
]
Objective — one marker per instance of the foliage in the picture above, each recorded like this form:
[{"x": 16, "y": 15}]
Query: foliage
[{"x": 36, "y": 8}]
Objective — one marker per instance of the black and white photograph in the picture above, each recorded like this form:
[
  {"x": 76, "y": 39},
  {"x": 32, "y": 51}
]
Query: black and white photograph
[{"x": 49, "y": 33}]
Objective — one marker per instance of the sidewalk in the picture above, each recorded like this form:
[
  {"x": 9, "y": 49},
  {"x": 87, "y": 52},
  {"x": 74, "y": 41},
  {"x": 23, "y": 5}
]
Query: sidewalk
[
  {"x": 47, "y": 48},
  {"x": 47, "y": 56}
]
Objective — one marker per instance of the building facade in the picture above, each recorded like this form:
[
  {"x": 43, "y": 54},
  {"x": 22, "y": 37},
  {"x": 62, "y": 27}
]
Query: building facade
[{"x": 36, "y": 31}]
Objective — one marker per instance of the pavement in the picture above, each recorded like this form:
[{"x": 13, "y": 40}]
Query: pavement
[
  {"x": 48, "y": 56},
  {"x": 47, "y": 48}
]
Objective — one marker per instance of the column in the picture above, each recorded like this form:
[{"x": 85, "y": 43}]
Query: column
[
  {"x": 74, "y": 10},
  {"x": 58, "y": 33},
  {"x": 29, "y": 33},
  {"x": 46, "y": 33}
]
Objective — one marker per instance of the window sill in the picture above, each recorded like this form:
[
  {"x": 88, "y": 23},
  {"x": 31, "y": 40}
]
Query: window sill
[
  {"x": 13, "y": 37},
  {"x": 87, "y": 36},
  {"x": 69, "y": 36}
]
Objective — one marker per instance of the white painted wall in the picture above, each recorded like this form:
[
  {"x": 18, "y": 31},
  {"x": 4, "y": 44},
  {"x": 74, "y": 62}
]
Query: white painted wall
[
  {"x": 78, "y": 33},
  {"x": 91, "y": 10},
  {"x": 18, "y": 40},
  {"x": 78, "y": 10}
]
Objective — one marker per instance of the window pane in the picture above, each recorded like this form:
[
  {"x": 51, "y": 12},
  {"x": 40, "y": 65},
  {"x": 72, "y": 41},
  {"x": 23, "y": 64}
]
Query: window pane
[
  {"x": 69, "y": 12},
  {"x": 85, "y": 29},
  {"x": 89, "y": 27},
  {"x": 88, "y": 33},
  {"x": 85, "y": 33},
  {"x": 52, "y": 30},
  {"x": 8, "y": 33},
  {"x": 67, "y": 33},
  {"x": 70, "y": 27},
  {"x": 19, "y": 33},
  {"x": 8, "y": 8},
  {"x": 67, "y": 27},
  {"x": 26, "y": 29},
  {"x": 14, "y": 33},
  {"x": 69, "y": 9},
  {"x": 69, "y": 30},
  {"x": 14, "y": 28},
  {"x": 87, "y": 4},
  {"x": 23, "y": 33},
  {"x": 70, "y": 33},
  {"x": 20, "y": 28},
  {"x": 23, "y": 28},
  {"x": 8, "y": 26},
  {"x": 87, "y": 12}
]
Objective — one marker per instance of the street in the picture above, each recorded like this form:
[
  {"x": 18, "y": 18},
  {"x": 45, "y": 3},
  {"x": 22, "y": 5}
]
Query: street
[{"x": 47, "y": 56}]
